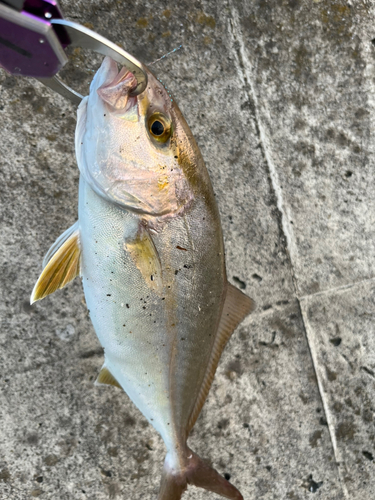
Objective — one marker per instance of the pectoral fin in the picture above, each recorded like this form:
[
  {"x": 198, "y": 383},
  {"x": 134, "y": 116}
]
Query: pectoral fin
[
  {"x": 237, "y": 306},
  {"x": 61, "y": 264},
  {"x": 105, "y": 377},
  {"x": 146, "y": 258}
]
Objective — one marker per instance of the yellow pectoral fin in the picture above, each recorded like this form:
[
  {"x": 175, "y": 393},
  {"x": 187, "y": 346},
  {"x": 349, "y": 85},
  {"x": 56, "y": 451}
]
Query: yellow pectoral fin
[
  {"x": 105, "y": 377},
  {"x": 63, "y": 267},
  {"x": 146, "y": 258}
]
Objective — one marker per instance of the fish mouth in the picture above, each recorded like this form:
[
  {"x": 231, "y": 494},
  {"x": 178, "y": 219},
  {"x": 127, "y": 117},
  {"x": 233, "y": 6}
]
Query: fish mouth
[{"x": 117, "y": 87}]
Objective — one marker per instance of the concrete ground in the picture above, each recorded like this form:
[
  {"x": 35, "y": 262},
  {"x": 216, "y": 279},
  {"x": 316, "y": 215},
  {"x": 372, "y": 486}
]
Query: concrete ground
[{"x": 280, "y": 97}]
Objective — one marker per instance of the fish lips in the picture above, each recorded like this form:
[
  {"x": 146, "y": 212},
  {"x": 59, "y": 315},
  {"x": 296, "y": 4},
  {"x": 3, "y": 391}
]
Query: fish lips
[{"x": 117, "y": 87}]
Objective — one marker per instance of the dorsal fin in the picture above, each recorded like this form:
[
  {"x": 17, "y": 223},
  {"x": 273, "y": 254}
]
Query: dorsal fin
[
  {"x": 105, "y": 377},
  {"x": 62, "y": 264},
  {"x": 237, "y": 306}
]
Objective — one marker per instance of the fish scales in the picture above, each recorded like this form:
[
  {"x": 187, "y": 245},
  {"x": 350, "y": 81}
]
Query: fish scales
[
  {"x": 160, "y": 354},
  {"x": 148, "y": 245}
]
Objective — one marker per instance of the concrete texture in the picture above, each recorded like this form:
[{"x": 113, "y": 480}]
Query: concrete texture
[{"x": 280, "y": 97}]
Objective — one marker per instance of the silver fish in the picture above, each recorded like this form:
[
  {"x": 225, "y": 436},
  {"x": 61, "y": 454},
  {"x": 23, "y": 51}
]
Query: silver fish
[{"x": 148, "y": 245}]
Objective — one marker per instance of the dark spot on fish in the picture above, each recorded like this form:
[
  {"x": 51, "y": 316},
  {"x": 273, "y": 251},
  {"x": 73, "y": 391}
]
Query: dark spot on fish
[
  {"x": 127, "y": 305},
  {"x": 163, "y": 298},
  {"x": 108, "y": 294},
  {"x": 39, "y": 479},
  {"x": 348, "y": 173},
  {"x": 266, "y": 307},
  {"x": 176, "y": 271},
  {"x": 152, "y": 277},
  {"x": 226, "y": 475},
  {"x": 245, "y": 425},
  {"x": 144, "y": 307},
  {"x": 257, "y": 277},
  {"x": 181, "y": 248},
  {"x": 241, "y": 283},
  {"x": 187, "y": 266},
  {"x": 106, "y": 473}
]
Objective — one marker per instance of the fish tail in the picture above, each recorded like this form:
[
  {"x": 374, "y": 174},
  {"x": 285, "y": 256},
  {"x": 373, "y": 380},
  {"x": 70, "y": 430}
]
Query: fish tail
[{"x": 195, "y": 471}]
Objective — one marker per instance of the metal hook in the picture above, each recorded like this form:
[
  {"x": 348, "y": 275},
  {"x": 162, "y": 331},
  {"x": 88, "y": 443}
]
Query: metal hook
[{"x": 88, "y": 39}]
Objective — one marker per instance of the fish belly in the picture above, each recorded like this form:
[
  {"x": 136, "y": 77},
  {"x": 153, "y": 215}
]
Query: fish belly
[{"x": 157, "y": 342}]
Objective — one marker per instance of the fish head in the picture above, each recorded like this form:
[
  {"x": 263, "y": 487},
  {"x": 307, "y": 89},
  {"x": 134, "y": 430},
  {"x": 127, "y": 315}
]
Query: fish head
[{"x": 136, "y": 151}]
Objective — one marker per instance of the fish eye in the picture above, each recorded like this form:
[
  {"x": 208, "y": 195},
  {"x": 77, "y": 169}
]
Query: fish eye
[{"x": 159, "y": 127}]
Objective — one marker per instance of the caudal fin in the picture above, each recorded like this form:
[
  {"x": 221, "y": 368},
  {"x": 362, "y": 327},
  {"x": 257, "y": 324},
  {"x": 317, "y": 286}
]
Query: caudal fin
[{"x": 196, "y": 472}]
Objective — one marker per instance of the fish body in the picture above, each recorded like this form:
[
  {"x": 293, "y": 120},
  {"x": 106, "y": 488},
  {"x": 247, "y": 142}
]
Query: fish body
[{"x": 149, "y": 248}]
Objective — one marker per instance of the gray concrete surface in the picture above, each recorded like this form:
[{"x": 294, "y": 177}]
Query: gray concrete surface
[{"x": 280, "y": 97}]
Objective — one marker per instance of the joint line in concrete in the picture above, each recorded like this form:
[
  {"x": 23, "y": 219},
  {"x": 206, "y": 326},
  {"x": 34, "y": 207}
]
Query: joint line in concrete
[{"x": 245, "y": 74}]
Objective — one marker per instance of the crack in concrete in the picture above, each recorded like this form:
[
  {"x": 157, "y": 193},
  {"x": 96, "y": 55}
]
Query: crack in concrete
[
  {"x": 244, "y": 71},
  {"x": 336, "y": 289}
]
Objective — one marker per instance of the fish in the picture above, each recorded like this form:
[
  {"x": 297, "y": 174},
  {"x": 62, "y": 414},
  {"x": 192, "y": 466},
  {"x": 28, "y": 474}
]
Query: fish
[{"x": 148, "y": 246}]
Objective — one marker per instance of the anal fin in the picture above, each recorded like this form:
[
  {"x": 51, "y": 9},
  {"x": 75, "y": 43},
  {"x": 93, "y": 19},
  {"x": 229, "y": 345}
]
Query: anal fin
[
  {"x": 105, "y": 377},
  {"x": 236, "y": 307},
  {"x": 62, "y": 264}
]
